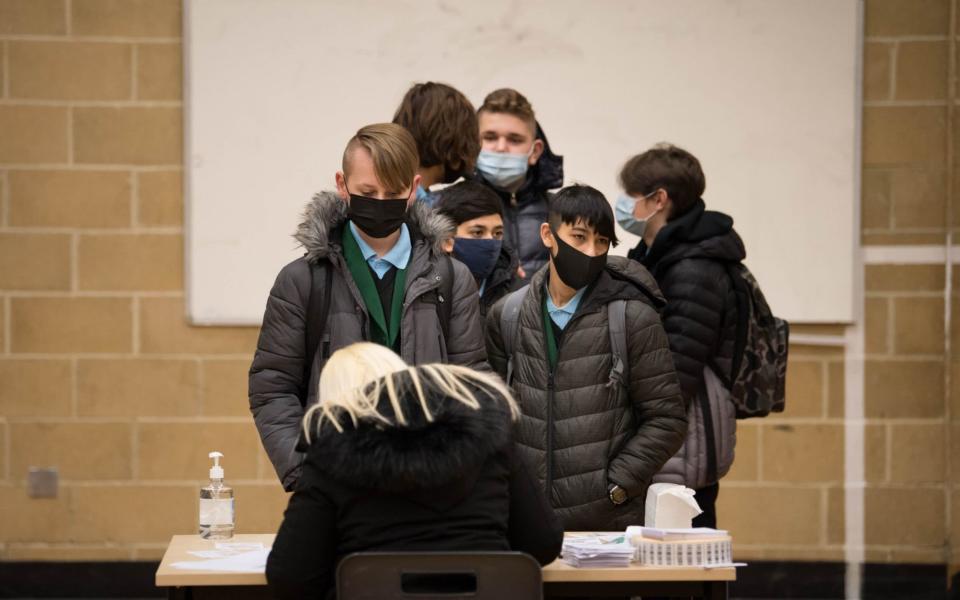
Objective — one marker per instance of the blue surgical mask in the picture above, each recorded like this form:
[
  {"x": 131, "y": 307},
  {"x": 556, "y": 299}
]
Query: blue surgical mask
[
  {"x": 502, "y": 169},
  {"x": 480, "y": 255},
  {"x": 623, "y": 210}
]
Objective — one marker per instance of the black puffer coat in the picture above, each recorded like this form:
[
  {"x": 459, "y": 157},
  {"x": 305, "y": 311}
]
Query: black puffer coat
[
  {"x": 501, "y": 281},
  {"x": 687, "y": 259},
  {"x": 454, "y": 484},
  {"x": 578, "y": 432},
  {"x": 277, "y": 372},
  {"x": 525, "y": 209}
]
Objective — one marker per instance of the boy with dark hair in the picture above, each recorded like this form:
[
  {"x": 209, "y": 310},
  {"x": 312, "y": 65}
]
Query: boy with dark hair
[
  {"x": 517, "y": 163},
  {"x": 686, "y": 248},
  {"x": 587, "y": 358},
  {"x": 444, "y": 125},
  {"x": 374, "y": 270},
  {"x": 478, "y": 241}
]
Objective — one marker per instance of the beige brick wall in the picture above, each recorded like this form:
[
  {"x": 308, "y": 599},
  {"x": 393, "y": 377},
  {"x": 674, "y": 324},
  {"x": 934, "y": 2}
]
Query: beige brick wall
[
  {"x": 787, "y": 479},
  {"x": 909, "y": 182},
  {"x": 101, "y": 376}
]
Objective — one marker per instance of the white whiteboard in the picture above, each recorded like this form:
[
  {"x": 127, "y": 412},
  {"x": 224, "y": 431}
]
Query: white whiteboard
[{"x": 764, "y": 92}]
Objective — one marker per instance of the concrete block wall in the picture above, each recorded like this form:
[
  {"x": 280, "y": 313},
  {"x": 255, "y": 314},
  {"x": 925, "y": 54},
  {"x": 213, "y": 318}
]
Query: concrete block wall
[{"x": 101, "y": 376}]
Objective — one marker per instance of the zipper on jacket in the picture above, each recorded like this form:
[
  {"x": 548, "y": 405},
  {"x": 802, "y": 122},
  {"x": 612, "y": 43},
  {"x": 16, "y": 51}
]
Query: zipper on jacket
[{"x": 550, "y": 395}]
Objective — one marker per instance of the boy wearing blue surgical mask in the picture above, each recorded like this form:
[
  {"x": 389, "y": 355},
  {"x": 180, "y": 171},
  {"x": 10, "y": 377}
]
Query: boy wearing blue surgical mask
[
  {"x": 478, "y": 243},
  {"x": 516, "y": 162},
  {"x": 687, "y": 249}
]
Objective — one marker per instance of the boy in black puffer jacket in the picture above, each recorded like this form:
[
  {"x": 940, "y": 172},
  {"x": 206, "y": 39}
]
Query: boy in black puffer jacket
[
  {"x": 597, "y": 421},
  {"x": 686, "y": 248}
]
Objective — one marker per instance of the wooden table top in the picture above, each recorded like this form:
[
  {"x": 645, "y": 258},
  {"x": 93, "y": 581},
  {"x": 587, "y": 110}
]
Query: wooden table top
[{"x": 557, "y": 571}]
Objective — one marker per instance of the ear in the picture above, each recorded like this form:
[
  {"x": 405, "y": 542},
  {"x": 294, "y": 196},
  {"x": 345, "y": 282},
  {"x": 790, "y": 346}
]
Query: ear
[
  {"x": 546, "y": 235},
  {"x": 536, "y": 152},
  {"x": 342, "y": 187},
  {"x": 447, "y": 245},
  {"x": 413, "y": 190}
]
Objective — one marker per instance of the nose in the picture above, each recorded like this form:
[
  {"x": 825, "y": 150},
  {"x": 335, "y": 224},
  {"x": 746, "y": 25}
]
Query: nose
[
  {"x": 596, "y": 248},
  {"x": 501, "y": 144}
]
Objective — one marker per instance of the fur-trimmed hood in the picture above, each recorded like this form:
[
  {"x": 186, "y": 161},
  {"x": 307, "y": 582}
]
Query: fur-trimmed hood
[
  {"x": 327, "y": 212},
  {"x": 423, "y": 455}
]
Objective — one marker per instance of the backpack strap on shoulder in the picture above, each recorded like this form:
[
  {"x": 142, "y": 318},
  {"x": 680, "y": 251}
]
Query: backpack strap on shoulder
[
  {"x": 445, "y": 297},
  {"x": 318, "y": 305},
  {"x": 510, "y": 324},
  {"x": 620, "y": 365}
]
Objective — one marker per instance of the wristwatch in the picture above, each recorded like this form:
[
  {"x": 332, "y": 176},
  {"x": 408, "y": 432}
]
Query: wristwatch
[{"x": 617, "y": 494}]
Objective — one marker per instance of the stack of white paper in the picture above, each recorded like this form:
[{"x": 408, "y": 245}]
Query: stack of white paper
[
  {"x": 598, "y": 551},
  {"x": 233, "y": 557}
]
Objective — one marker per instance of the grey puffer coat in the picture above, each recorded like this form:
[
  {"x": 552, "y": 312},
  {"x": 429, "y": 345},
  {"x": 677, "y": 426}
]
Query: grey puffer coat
[
  {"x": 578, "y": 433},
  {"x": 278, "y": 365},
  {"x": 687, "y": 259}
]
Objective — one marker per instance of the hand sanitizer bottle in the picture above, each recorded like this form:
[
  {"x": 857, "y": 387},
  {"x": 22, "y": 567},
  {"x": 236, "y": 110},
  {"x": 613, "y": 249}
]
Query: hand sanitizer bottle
[{"x": 216, "y": 505}]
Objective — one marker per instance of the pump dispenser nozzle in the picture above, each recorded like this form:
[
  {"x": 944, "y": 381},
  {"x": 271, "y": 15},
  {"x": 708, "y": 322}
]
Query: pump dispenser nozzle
[{"x": 216, "y": 472}]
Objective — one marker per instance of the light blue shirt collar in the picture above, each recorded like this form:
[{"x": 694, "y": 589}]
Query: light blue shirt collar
[
  {"x": 561, "y": 316},
  {"x": 398, "y": 256}
]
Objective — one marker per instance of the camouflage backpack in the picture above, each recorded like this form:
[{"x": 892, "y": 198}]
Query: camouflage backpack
[{"x": 759, "y": 373}]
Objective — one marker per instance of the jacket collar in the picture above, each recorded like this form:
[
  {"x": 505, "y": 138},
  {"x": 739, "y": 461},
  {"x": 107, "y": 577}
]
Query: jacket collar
[{"x": 622, "y": 279}]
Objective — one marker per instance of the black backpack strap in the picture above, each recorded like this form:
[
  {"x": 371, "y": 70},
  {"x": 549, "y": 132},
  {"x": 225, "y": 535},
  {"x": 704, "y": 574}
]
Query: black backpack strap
[
  {"x": 318, "y": 305},
  {"x": 620, "y": 361},
  {"x": 510, "y": 324},
  {"x": 445, "y": 298}
]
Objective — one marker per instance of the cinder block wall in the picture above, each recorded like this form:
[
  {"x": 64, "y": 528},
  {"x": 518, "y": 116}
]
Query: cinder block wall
[
  {"x": 912, "y": 438},
  {"x": 101, "y": 376}
]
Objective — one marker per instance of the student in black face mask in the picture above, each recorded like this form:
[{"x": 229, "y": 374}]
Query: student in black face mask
[
  {"x": 478, "y": 243},
  {"x": 588, "y": 360},
  {"x": 374, "y": 270}
]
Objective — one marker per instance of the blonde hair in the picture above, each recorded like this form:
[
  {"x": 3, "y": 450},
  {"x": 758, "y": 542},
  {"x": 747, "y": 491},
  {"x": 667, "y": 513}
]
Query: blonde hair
[
  {"x": 356, "y": 377},
  {"x": 393, "y": 151}
]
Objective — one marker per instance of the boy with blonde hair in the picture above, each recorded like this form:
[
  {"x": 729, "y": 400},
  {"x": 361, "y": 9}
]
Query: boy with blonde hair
[{"x": 374, "y": 270}]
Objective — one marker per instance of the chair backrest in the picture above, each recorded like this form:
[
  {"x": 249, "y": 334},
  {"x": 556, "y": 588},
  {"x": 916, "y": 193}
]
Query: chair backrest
[{"x": 440, "y": 575}]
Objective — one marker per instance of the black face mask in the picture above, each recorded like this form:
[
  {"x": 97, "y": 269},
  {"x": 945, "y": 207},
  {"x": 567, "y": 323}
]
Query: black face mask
[
  {"x": 575, "y": 268},
  {"x": 377, "y": 218}
]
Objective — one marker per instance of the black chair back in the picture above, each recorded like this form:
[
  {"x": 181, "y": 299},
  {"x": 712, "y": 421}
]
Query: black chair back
[{"x": 439, "y": 575}]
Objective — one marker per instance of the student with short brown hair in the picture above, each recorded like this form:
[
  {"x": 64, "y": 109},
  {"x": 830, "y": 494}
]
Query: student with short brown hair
[
  {"x": 517, "y": 163},
  {"x": 444, "y": 125},
  {"x": 374, "y": 270},
  {"x": 688, "y": 248}
]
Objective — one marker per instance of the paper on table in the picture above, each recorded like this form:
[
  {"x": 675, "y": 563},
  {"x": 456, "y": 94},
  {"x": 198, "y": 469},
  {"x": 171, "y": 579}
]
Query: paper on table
[
  {"x": 254, "y": 561},
  {"x": 225, "y": 549},
  {"x": 600, "y": 550}
]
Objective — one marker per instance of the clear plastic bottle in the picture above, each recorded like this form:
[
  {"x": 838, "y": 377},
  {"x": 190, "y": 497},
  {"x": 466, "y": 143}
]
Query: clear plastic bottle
[{"x": 216, "y": 505}]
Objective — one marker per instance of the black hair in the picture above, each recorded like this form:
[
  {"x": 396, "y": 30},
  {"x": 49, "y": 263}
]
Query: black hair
[
  {"x": 583, "y": 203},
  {"x": 468, "y": 200},
  {"x": 669, "y": 167}
]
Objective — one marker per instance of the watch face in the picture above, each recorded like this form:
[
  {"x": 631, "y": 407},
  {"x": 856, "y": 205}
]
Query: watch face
[{"x": 618, "y": 495}]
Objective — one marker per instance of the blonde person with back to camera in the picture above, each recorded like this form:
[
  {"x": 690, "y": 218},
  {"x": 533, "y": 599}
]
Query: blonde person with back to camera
[{"x": 406, "y": 458}]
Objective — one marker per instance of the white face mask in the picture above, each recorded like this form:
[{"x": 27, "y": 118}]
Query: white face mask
[
  {"x": 624, "y": 213},
  {"x": 503, "y": 169}
]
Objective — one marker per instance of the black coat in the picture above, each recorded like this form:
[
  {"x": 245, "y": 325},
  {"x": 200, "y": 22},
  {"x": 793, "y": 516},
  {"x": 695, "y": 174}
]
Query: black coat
[
  {"x": 688, "y": 258},
  {"x": 501, "y": 281},
  {"x": 454, "y": 484},
  {"x": 525, "y": 209},
  {"x": 579, "y": 433}
]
